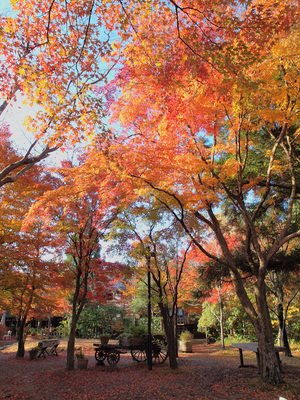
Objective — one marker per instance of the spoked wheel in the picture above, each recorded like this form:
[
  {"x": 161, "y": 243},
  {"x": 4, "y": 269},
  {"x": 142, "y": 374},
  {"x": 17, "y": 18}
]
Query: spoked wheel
[
  {"x": 100, "y": 355},
  {"x": 113, "y": 357},
  {"x": 139, "y": 355},
  {"x": 159, "y": 349},
  {"x": 159, "y": 356}
]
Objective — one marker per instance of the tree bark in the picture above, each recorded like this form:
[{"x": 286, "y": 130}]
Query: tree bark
[
  {"x": 284, "y": 337},
  {"x": 20, "y": 336},
  {"x": 268, "y": 364},
  {"x": 220, "y": 301},
  {"x": 75, "y": 316},
  {"x": 76, "y": 311},
  {"x": 71, "y": 347},
  {"x": 21, "y": 325},
  {"x": 170, "y": 334}
]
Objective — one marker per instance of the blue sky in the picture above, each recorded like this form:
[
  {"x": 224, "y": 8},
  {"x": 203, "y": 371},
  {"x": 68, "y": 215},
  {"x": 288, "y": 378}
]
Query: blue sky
[
  {"x": 15, "y": 114},
  {"x": 4, "y": 4}
]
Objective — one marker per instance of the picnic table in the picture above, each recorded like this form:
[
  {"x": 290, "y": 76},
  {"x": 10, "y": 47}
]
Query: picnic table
[
  {"x": 254, "y": 347},
  {"x": 48, "y": 348}
]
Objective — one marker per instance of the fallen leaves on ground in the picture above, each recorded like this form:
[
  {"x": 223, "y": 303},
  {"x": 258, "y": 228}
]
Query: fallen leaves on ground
[{"x": 207, "y": 373}]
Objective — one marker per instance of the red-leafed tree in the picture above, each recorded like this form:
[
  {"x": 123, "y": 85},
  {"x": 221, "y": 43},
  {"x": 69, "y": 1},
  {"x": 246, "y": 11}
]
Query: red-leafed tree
[
  {"x": 51, "y": 55},
  {"x": 26, "y": 261},
  {"x": 208, "y": 95},
  {"x": 213, "y": 278},
  {"x": 79, "y": 213}
]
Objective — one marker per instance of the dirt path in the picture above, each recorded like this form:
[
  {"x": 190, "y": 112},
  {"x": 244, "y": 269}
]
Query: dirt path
[{"x": 207, "y": 373}]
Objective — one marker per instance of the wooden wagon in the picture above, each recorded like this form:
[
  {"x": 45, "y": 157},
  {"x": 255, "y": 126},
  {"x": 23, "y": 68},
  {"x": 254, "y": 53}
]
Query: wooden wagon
[{"x": 138, "y": 349}]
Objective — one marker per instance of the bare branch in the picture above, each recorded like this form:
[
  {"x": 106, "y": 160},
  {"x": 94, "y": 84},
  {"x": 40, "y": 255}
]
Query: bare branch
[{"x": 23, "y": 165}]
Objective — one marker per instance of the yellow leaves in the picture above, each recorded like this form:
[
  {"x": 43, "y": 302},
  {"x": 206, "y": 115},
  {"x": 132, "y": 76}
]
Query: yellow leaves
[
  {"x": 273, "y": 115},
  {"x": 116, "y": 45},
  {"x": 22, "y": 71},
  {"x": 229, "y": 169},
  {"x": 297, "y": 136},
  {"x": 278, "y": 167},
  {"x": 279, "y": 80}
]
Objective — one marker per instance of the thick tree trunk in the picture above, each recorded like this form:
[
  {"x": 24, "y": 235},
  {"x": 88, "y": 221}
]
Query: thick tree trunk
[
  {"x": 76, "y": 311},
  {"x": 268, "y": 364},
  {"x": 170, "y": 334},
  {"x": 20, "y": 336},
  {"x": 71, "y": 341},
  {"x": 260, "y": 318},
  {"x": 71, "y": 347}
]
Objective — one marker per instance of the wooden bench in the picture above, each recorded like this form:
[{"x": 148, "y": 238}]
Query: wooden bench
[
  {"x": 254, "y": 347},
  {"x": 48, "y": 348}
]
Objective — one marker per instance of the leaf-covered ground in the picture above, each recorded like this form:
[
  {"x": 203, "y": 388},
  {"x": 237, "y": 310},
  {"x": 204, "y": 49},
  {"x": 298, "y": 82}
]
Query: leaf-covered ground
[{"x": 207, "y": 373}]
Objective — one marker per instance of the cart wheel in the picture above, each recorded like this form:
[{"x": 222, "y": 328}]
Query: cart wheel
[
  {"x": 159, "y": 349},
  {"x": 100, "y": 355},
  {"x": 139, "y": 355},
  {"x": 113, "y": 357},
  {"x": 159, "y": 356}
]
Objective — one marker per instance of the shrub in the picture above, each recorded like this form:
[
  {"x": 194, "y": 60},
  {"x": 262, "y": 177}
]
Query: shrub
[
  {"x": 137, "y": 331},
  {"x": 80, "y": 354},
  {"x": 3, "y": 330},
  {"x": 186, "y": 336}
]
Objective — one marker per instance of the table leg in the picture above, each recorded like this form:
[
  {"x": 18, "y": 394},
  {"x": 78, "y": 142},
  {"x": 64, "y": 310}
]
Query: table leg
[
  {"x": 241, "y": 358},
  {"x": 42, "y": 353}
]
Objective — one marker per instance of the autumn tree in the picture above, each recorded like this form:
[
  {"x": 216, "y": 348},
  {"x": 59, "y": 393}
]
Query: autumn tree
[
  {"x": 79, "y": 212},
  {"x": 154, "y": 246},
  {"x": 212, "y": 289},
  {"x": 217, "y": 128},
  {"x": 51, "y": 56},
  {"x": 26, "y": 279},
  {"x": 54, "y": 299},
  {"x": 26, "y": 259}
]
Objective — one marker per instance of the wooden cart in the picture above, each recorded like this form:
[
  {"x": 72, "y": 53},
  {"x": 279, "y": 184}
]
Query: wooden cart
[{"x": 111, "y": 352}]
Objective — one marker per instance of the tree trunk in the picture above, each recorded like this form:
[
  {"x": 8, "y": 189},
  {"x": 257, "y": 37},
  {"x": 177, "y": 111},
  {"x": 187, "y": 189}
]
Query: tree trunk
[
  {"x": 170, "y": 334},
  {"x": 261, "y": 321},
  {"x": 268, "y": 364},
  {"x": 76, "y": 311},
  {"x": 49, "y": 325},
  {"x": 176, "y": 330},
  {"x": 20, "y": 336},
  {"x": 71, "y": 340},
  {"x": 283, "y": 332},
  {"x": 71, "y": 347},
  {"x": 221, "y": 320}
]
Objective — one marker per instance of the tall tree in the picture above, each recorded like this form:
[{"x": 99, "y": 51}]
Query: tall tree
[
  {"x": 26, "y": 262},
  {"x": 155, "y": 248},
  {"x": 217, "y": 128},
  {"x": 79, "y": 212}
]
